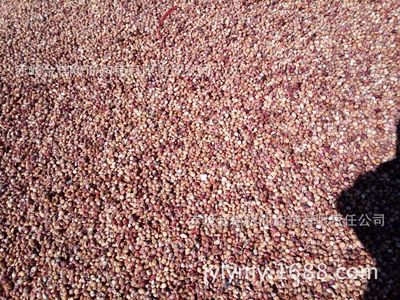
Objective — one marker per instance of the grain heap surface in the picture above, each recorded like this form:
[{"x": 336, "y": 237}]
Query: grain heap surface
[{"x": 144, "y": 142}]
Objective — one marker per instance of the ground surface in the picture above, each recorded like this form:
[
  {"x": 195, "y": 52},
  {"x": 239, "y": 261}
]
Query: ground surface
[{"x": 136, "y": 154}]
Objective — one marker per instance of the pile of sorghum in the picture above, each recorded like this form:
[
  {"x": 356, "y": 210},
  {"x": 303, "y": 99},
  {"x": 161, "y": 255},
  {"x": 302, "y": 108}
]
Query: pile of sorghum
[{"x": 115, "y": 139}]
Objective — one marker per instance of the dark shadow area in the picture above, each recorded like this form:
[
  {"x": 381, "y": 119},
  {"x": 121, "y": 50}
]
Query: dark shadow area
[{"x": 375, "y": 194}]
